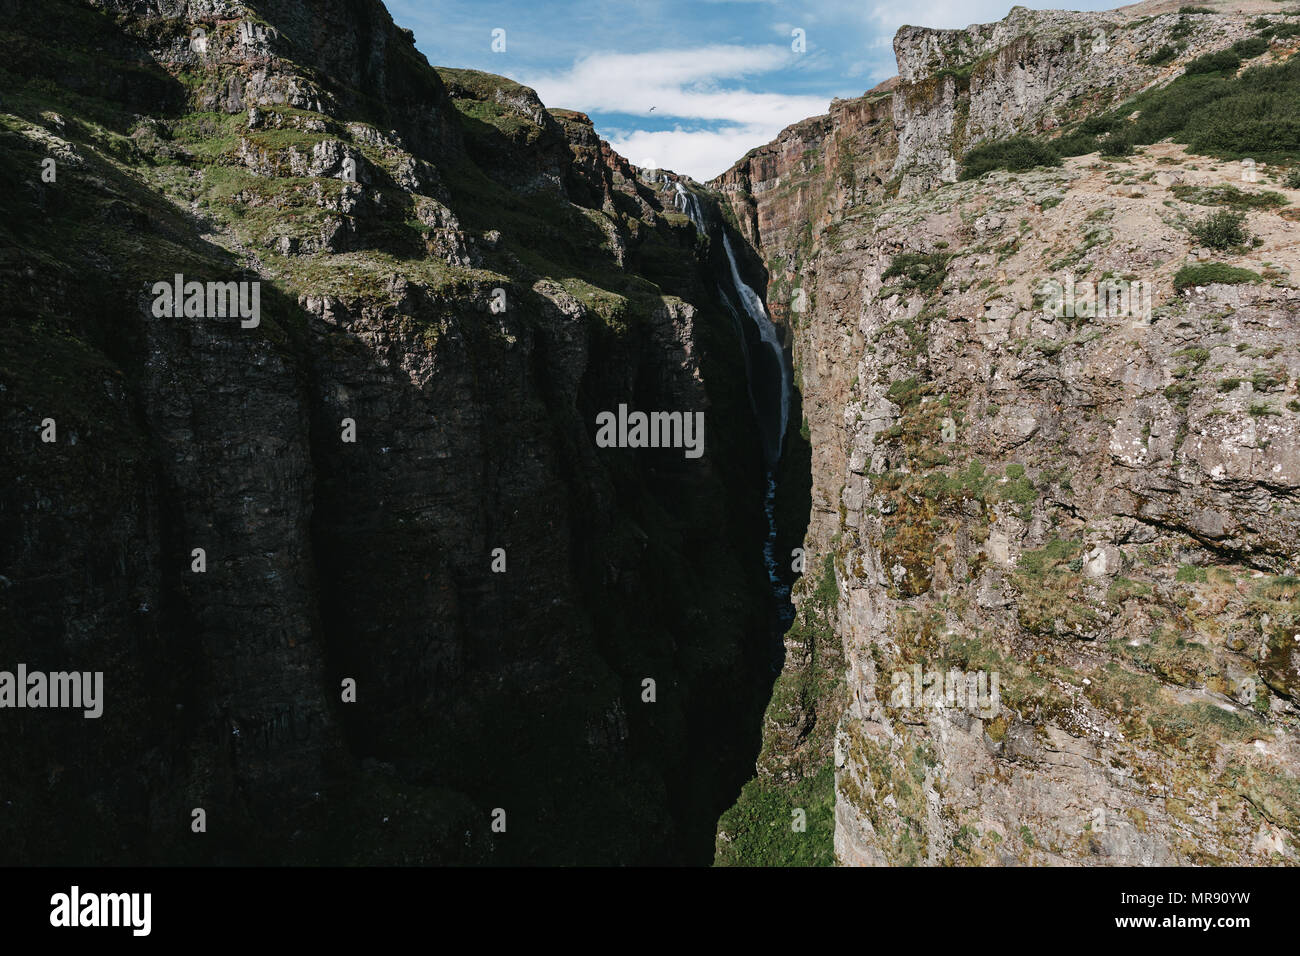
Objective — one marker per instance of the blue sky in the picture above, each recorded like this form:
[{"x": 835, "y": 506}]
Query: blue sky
[{"x": 687, "y": 85}]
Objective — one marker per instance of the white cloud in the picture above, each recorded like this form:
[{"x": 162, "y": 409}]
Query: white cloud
[
  {"x": 677, "y": 83},
  {"x": 701, "y": 154},
  {"x": 687, "y": 85}
]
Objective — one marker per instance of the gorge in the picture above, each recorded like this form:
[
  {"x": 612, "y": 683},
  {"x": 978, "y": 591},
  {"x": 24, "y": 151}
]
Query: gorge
[{"x": 632, "y": 654}]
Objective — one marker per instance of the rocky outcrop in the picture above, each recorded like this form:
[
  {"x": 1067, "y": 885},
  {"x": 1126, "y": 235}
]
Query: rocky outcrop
[
  {"x": 1031, "y": 72},
  {"x": 785, "y": 195}
]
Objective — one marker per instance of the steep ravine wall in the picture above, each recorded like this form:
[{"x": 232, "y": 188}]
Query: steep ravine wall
[
  {"x": 462, "y": 281},
  {"x": 1096, "y": 510}
]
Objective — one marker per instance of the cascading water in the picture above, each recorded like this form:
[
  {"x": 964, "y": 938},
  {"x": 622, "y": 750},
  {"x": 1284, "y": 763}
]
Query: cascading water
[
  {"x": 752, "y": 304},
  {"x": 771, "y": 410},
  {"x": 689, "y": 203}
]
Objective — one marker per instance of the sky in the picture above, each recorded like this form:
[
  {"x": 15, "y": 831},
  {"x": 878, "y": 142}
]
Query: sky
[{"x": 688, "y": 85}]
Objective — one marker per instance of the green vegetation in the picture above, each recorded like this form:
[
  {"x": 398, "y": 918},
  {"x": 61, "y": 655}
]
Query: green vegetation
[
  {"x": 1250, "y": 47},
  {"x": 1211, "y": 273},
  {"x": 1116, "y": 146},
  {"x": 1165, "y": 54},
  {"x": 761, "y": 823},
  {"x": 1048, "y": 580},
  {"x": 1282, "y": 31},
  {"x": 760, "y": 828},
  {"x": 1210, "y": 110},
  {"x": 1220, "y": 62},
  {"x": 1224, "y": 229},
  {"x": 1015, "y": 155},
  {"x": 919, "y": 271},
  {"x": 1228, "y": 196}
]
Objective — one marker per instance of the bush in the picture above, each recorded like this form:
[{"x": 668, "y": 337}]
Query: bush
[
  {"x": 1195, "y": 10},
  {"x": 919, "y": 271},
  {"x": 1250, "y": 47},
  {"x": 1015, "y": 155},
  {"x": 1224, "y": 229},
  {"x": 1114, "y": 145},
  {"x": 1256, "y": 114},
  {"x": 1100, "y": 125},
  {"x": 1076, "y": 144},
  {"x": 1212, "y": 273},
  {"x": 1220, "y": 62},
  {"x": 1161, "y": 56},
  {"x": 1292, "y": 180}
]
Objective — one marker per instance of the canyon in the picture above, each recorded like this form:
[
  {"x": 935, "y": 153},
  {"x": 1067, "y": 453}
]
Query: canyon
[{"x": 912, "y": 464}]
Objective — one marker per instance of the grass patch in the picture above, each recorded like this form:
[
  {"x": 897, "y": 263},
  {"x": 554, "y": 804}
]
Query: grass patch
[
  {"x": 1212, "y": 273},
  {"x": 919, "y": 271},
  {"x": 1228, "y": 196}
]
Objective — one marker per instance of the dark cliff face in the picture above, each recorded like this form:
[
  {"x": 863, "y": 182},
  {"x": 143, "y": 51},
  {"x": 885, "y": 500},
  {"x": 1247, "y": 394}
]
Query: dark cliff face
[{"x": 387, "y": 212}]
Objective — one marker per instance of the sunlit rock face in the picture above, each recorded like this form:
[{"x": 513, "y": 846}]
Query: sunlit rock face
[{"x": 1097, "y": 504}]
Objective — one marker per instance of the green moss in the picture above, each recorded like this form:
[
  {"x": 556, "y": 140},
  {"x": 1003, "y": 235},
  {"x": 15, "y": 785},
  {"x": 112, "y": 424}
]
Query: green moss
[
  {"x": 1226, "y": 195},
  {"x": 919, "y": 272},
  {"x": 759, "y": 828},
  {"x": 1213, "y": 273}
]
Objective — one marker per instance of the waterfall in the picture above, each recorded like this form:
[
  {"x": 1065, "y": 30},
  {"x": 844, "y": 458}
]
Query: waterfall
[
  {"x": 752, "y": 304},
  {"x": 689, "y": 203},
  {"x": 766, "y": 405}
]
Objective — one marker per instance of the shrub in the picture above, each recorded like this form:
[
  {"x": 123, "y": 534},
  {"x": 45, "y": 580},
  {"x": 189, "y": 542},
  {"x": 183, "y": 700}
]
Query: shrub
[
  {"x": 1256, "y": 114},
  {"x": 1224, "y": 229},
  {"x": 1160, "y": 57},
  {"x": 1076, "y": 144},
  {"x": 923, "y": 272},
  {"x": 1220, "y": 62},
  {"x": 1100, "y": 125},
  {"x": 1292, "y": 180},
  {"x": 1114, "y": 145},
  {"x": 1016, "y": 154},
  {"x": 1212, "y": 273},
  {"x": 1195, "y": 10},
  {"x": 1250, "y": 47}
]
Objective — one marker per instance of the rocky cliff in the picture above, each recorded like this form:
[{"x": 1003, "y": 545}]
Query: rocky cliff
[
  {"x": 365, "y": 584},
  {"x": 1095, "y": 505},
  {"x": 362, "y": 584}
]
